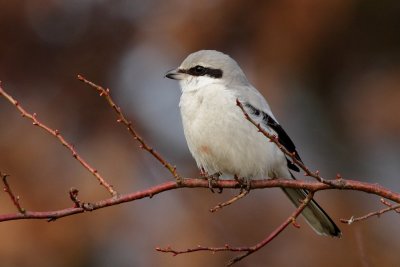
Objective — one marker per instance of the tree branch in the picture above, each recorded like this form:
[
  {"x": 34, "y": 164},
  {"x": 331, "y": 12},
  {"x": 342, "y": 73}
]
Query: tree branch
[
  {"x": 378, "y": 213},
  {"x": 319, "y": 184},
  {"x": 128, "y": 124},
  {"x": 61, "y": 139},
  {"x": 7, "y": 189},
  {"x": 247, "y": 250},
  {"x": 312, "y": 186},
  {"x": 230, "y": 201}
]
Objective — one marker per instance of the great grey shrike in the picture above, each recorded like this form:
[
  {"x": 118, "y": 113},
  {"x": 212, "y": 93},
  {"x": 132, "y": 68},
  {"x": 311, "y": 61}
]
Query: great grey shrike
[{"x": 220, "y": 138}]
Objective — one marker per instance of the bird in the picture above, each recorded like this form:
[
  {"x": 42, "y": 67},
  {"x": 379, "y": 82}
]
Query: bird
[{"x": 223, "y": 141}]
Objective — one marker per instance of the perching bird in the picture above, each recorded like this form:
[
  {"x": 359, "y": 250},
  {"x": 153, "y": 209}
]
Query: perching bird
[{"x": 220, "y": 138}]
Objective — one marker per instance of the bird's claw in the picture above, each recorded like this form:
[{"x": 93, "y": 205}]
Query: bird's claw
[
  {"x": 212, "y": 182},
  {"x": 244, "y": 183}
]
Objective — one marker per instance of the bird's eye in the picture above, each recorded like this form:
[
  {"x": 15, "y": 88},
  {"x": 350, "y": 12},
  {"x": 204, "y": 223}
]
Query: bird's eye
[{"x": 199, "y": 70}]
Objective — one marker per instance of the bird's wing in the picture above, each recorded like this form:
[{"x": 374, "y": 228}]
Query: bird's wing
[{"x": 258, "y": 108}]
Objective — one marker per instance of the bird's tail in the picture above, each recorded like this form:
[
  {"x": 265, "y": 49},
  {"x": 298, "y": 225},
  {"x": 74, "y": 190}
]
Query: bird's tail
[{"x": 315, "y": 216}]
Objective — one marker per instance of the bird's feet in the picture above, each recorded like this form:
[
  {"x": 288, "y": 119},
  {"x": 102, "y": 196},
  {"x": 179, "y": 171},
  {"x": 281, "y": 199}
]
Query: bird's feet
[
  {"x": 212, "y": 180},
  {"x": 245, "y": 183}
]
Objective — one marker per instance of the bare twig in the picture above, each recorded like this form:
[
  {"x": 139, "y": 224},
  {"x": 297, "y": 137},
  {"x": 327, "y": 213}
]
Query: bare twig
[
  {"x": 230, "y": 201},
  {"x": 122, "y": 119},
  {"x": 273, "y": 138},
  {"x": 378, "y": 213},
  {"x": 57, "y": 134},
  {"x": 277, "y": 231},
  {"x": 247, "y": 250},
  {"x": 14, "y": 198},
  {"x": 73, "y": 195},
  {"x": 386, "y": 203},
  {"x": 226, "y": 247}
]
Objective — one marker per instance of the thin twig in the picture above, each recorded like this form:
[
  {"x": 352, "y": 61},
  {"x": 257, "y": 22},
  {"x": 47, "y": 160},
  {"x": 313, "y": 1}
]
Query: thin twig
[
  {"x": 273, "y": 138},
  {"x": 230, "y": 201},
  {"x": 73, "y": 195},
  {"x": 386, "y": 203},
  {"x": 277, "y": 231},
  {"x": 14, "y": 198},
  {"x": 247, "y": 250},
  {"x": 378, "y": 213},
  {"x": 122, "y": 119},
  {"x": 226, "y": 247},
  {"x": 57, "y": 134}
]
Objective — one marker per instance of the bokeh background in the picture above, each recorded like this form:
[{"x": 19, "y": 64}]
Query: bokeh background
[{"x": 329, "y": 69}]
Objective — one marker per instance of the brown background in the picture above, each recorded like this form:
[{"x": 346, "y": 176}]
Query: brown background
[{"x": 329, "y": 69}]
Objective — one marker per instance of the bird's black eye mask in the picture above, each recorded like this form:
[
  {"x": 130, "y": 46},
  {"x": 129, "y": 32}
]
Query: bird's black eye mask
[{"x": 203, "y": 71}]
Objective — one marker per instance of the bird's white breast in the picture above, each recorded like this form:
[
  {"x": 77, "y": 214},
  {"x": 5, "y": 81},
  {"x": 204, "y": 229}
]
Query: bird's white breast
[{"x": 222, "y": 140}]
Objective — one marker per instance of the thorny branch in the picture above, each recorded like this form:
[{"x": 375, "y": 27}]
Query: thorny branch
[
  {"x": 57, "y": 134},
  {"x": 122, "y": 119},
  {"x": 320, "y": 184}
]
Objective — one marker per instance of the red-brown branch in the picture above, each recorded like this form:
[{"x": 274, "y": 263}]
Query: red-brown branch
[
  {"x": 73, "y": 195},
  {"x": 7, "y": 189},
  {"x": 230, "y": 201},
  {"x": 390, "y": 207},
  {"x": 57, "y": 134},
  {"x": 128, "y": 124},
  {"x": 248, "y": 250},
  {"x": 312, "y": 186},
  {"x": 80, "y": 207}
]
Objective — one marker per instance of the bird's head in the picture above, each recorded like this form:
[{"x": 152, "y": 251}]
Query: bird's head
[{"x": 206, "y": 67}]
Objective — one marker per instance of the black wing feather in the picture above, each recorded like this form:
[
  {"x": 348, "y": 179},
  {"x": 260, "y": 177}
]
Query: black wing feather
[{"x": 283, "y": 137}]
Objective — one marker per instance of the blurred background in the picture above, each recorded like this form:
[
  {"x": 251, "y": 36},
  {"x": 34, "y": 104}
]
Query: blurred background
[{"x": 329, "y": 69}]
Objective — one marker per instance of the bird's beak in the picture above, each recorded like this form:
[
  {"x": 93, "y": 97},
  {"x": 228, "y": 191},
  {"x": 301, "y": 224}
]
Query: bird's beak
[{"x": 175, "y": 74}]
